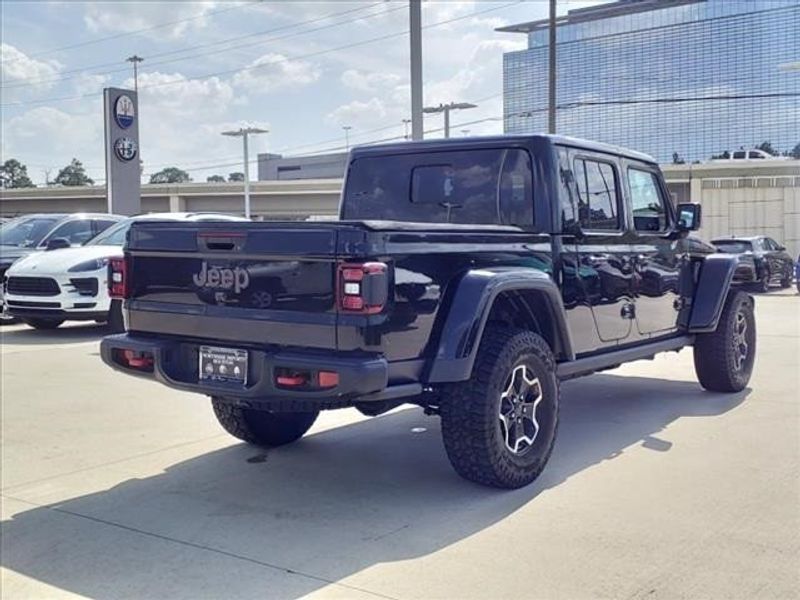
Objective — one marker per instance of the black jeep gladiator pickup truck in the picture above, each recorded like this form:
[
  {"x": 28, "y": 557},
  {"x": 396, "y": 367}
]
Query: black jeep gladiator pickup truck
[{"x": 465, "y": 276}]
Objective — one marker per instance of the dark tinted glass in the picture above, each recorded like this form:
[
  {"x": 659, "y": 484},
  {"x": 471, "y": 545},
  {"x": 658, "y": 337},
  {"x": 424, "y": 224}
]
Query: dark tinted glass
[
  {"x": 598, "y": 204},
  {"x": 470, "y": 187}
]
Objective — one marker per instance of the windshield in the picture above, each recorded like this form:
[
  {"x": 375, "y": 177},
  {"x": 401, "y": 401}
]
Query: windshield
[
  {"x": 26, "y": 233},
  {"x": 113, "y": 236},
  {"x": 487, "y": 187},
  {"x": 733, "y": 246}
]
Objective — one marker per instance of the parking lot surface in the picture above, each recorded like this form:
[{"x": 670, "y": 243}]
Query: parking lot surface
[{"x": 114, "y": 487}]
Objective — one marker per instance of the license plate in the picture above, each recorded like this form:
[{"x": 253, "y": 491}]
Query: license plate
[{"x": 227, "y": 365}]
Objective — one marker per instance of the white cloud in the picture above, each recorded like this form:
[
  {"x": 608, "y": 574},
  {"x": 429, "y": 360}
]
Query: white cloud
[
  {"x": 67, "y": 136},
  {"x": 125, "y": 17},
  {"x": 369, "y": 81},
  {"x": 174, "y": 96},
  {"x": 18, "y": 68},
  {"x": 359, "y": 115},
  {"x": 273, "y": 71}
]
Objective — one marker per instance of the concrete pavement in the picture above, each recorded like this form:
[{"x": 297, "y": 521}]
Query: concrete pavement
[{"x": 114, "y": 487}]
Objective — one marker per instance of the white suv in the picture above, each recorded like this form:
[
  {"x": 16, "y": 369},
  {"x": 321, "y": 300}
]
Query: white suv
[{"x": 47, "y": 288}]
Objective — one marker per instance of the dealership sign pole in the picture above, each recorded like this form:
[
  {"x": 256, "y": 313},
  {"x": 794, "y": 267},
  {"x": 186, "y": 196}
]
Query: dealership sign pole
[{"x": 123, "y": 174}]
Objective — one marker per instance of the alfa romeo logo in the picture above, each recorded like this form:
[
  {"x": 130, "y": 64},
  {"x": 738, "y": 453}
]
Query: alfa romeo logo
[
  {"x": 124, "y": 112},
  {"x": 125, "y": 148}
]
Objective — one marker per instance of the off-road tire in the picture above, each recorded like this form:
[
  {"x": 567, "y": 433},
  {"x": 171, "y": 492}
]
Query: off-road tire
[
  {"x": 715, "y": 353},
  {"x": 261, "y": 427},
  {"x": 42, "y": 323},
  {"x": 786, "y": 282},
  {"x": 473, "y": 436}
]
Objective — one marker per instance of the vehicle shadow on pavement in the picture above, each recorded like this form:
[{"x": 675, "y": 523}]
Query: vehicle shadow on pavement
[
  {"x": 22, "y": 335},
  {"x": 292, "y": 520}
]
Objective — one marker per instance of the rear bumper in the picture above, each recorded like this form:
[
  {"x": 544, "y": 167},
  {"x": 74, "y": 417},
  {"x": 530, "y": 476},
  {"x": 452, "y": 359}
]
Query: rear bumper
[{"x": 175, "y": 364}]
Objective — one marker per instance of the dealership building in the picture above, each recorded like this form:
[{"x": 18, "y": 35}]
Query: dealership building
[{"x": 692, "y": 77}]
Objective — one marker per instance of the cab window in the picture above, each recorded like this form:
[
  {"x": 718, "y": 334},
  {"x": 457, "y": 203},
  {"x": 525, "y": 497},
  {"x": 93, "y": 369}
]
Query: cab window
[
  {"x": 598, "y": 195},
  {"x": 647, "y": 203}
]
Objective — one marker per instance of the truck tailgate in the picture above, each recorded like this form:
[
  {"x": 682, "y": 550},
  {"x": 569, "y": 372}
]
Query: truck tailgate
[{"x": 256, "y": 283}]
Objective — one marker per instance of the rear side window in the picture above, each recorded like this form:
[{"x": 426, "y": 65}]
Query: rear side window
[
  {"x": 491, "y": 187},
  {"x": 598, "y": 195},
  {"x": 647, "y": 203}
]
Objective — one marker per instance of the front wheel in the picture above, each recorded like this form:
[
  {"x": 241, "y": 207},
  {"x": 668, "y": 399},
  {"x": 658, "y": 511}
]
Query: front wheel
[
  {"x": 261, "y": 427},
  {"x": 42, "y": 322},
  {"x": 500, "y": 426},
  {"x": 723, "y": 359}
]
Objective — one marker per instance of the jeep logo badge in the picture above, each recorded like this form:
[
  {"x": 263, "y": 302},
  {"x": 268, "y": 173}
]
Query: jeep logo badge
[{"x": 221, "y": 278}]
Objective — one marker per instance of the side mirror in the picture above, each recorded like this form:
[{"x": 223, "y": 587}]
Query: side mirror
[
  {"x": 689, "y": 216},
  {"x": 782, "y": 248},
  {"x": 57, "y": 244}
]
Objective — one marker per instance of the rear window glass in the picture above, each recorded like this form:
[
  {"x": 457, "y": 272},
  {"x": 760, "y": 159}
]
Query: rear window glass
[
  {"x": 733, "y": 247},
  {"x": 492, "y": 187}
]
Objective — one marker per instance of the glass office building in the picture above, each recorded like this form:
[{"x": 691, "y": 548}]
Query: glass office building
[{"x": 692, "y": 77}]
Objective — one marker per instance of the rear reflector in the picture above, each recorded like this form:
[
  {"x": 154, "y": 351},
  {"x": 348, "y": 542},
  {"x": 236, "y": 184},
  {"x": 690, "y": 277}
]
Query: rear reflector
[
  {"x": 328, "y": 379},
  {"x": 133, "y": 359}
]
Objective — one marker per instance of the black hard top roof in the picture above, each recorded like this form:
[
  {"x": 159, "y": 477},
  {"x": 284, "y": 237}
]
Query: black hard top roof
[{"x": 472, "y": 142}]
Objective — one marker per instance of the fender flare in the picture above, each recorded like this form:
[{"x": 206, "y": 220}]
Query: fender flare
[
  {"x": 711, "y": 290},
  {"x": 469, "y": 310}
]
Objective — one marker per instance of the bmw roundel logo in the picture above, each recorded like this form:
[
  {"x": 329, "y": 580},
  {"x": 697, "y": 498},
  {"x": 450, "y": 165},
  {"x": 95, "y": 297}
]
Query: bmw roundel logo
[
  {"x": 124, "y": 112},
  {"x": 125, "y": 148}
]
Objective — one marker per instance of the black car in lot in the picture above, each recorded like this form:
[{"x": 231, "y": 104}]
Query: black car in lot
[
  {"x": 469, "y": 277},
  {"x": 771, "y": 263}
]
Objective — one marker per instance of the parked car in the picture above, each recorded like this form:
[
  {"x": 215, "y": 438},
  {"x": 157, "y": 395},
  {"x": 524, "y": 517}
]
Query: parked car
[
  {"x": 28, "y": 234},
  {"x": 466, "y": 276},
  {"x": 48, "y": 288},
  {"x": 797, "y": 273},
  {"x": 771, "y": 263}
]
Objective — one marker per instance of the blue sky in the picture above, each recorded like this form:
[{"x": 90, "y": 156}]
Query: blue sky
[{"x": 211, "y": 65}]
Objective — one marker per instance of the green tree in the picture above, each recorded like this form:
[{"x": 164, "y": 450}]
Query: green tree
[
  {"x": 13, "y": 174},
  {"x": 73, "y": 175},
  {"x": 236, "y": 176},
  {"x": 795, "y": 152},
  {"x": 767, "y": 147},
  {"x": 170, "y": 175},
  {"x": 215, "y": 179}
]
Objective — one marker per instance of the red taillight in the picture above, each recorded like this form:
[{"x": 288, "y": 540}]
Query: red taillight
[
  {"x": 133, "y": 359},
  {"x": 362, "y": 288},
  {"x": 118, "y": 278}
]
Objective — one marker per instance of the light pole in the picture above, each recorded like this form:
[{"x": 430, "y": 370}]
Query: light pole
[
  {"x": 446, "y": 108},
  {"x": 405, "y": 128},
  {"x": 243, "y": 132},
  {"x": 347, "y": 129},
  {"x": 551, "y": 68},
  {"x": 415, "y": 39},
  {"x": 135, "y": 60}
]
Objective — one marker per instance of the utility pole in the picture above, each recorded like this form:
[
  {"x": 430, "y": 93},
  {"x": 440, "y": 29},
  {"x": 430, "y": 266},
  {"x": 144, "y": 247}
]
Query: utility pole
[
  {"x": 405, "y": 128},
  {"x": 135, "y": 60},
  {"x": 446, "y": 108},
  {"x": 551, "y": 79},
  {"x": 415, "y": 26},
  {"x": 243, "y": 132},
  {"x": 347, "y": 129}
]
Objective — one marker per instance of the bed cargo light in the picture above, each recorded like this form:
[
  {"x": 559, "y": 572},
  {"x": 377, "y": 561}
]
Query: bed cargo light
[{"x": 362, "y": 288}]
